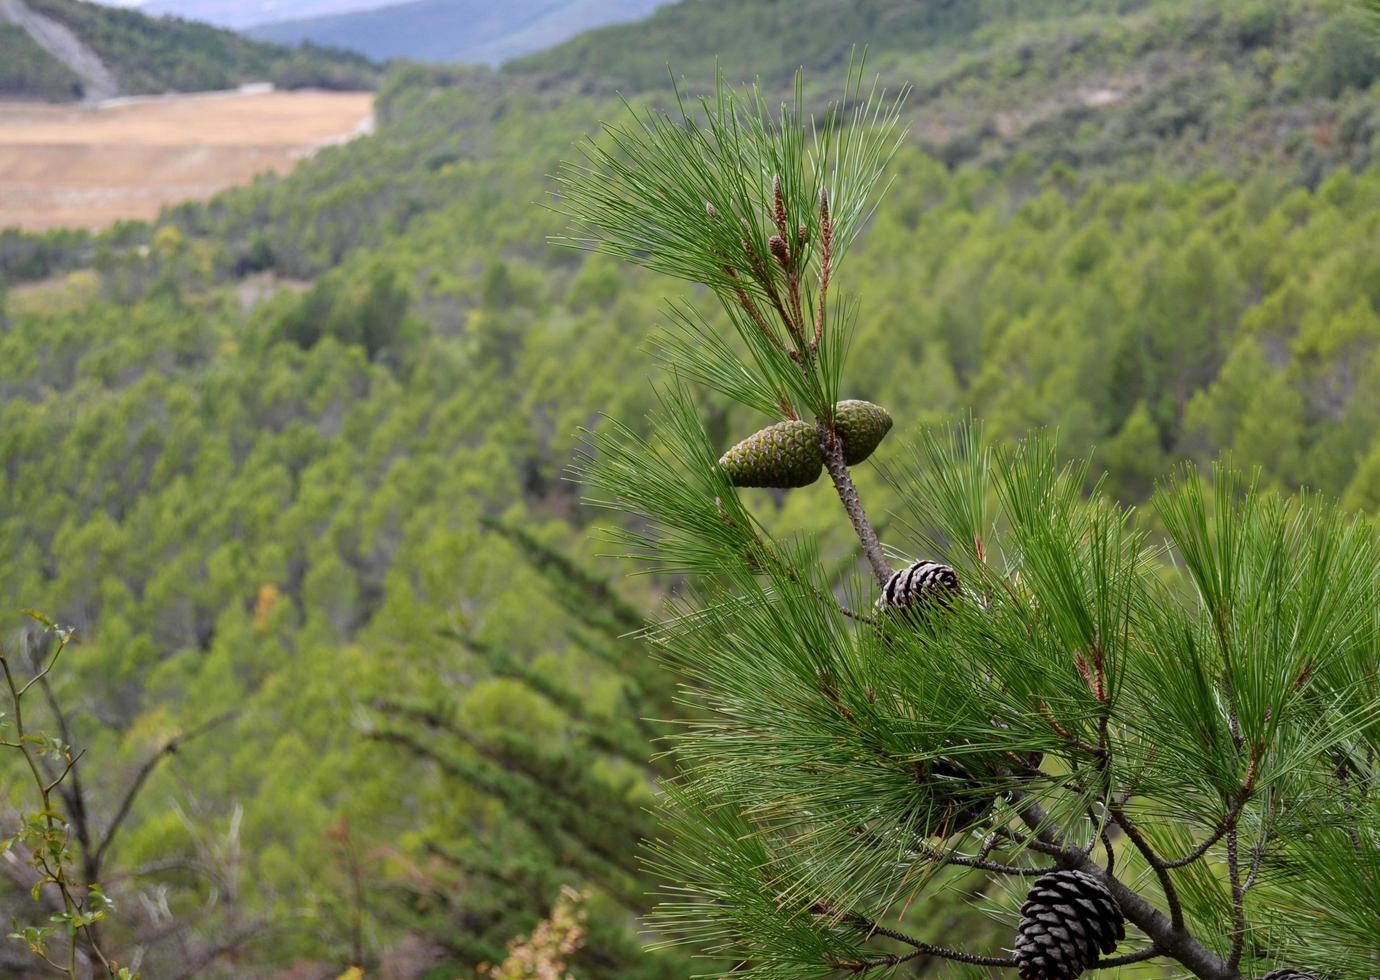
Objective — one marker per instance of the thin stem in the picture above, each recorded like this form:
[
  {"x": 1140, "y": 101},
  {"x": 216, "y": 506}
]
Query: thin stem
[
  {"x": 146, "y": 770},
  {"x": 920, "y": 948},
  {"x": 1106, "y": 840},
  {"x": 762, "y": 273},
  {"x": 56, "y": 874},
  {"x": 1037, "y": 845},
  {"x": 71, "y": 761},
  {"x": 1126, "y": 959},
  {"x": 1238, "y": 899},
  {"x": 1257, "y": 858},
  {"x": 1198, "y": 851},
  {"x": 861, "y": 966},
  {"x": 848, "y": 494},
  {"x": 52, "y": 662},
  {"x": 1173, "y": 940},
  {"x": 1171, "y": 894},
  {"x": 750, "y": 308},
  {"x": 981, "y": 863}
]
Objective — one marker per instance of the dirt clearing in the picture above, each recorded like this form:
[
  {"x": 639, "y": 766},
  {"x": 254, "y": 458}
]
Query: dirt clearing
[{"x": 88, "y": 166}]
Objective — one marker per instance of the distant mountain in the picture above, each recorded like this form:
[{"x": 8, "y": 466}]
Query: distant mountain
[
  {"x": 467, "y": 31},
  {"x": 62, "y": 50},
  {"x": 239, "y": 14}
]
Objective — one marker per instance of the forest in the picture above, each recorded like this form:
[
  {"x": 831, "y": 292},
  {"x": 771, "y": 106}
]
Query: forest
[{"x": 357, "y": 681}]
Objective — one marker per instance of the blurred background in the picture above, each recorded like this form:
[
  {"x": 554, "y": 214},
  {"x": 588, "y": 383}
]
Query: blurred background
[{"x": 290, "y": 379}]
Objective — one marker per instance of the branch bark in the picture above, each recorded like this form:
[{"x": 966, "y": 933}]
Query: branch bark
[
  {"x": 1172, "y": 940},
  {"x": 832, "y": 446},
  {"x": 146, "y": 770}
]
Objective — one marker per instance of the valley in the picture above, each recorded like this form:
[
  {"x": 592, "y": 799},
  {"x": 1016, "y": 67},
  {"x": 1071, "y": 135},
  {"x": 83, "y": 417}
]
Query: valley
[{"x": 90, "y": 166}]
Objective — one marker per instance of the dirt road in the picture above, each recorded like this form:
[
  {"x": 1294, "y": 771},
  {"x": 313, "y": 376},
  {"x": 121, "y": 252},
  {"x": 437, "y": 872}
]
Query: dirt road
[{"x": 88, "y": 166}]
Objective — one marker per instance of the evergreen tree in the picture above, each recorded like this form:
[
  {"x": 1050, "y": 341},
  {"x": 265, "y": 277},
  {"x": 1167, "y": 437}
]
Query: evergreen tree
[
  {"x": 571, "y": 807},
  {"x": 1158, "y": 750}
]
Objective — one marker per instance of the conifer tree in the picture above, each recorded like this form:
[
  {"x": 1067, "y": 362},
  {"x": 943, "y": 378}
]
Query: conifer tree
[
  {"x": 1160, "y": 744},
  {"x": 573, "y": 809}
]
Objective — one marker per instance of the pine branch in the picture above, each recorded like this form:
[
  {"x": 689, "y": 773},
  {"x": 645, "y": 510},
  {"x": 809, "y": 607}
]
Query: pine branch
[
  {"x": 1171, "y": 894},
  {"x": 141, "y": 776},
  {"x": 1238, "y": 899},
  {"x": 848, "y": 494},
  {"x": 920, "y": 948},
  {"x": 1172, "y": 938},
  {"x": 596, "y": 593}
]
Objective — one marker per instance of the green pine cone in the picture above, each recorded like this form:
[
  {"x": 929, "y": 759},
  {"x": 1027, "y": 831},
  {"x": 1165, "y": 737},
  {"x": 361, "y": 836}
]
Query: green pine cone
[
  {"x": 863, "y": 426},
  {"x": 783, "y": 455}
]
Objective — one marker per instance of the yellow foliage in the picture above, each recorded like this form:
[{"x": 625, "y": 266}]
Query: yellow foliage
[
  {"x": 265, "y": 604},
  {"x": 542, "y": 955},
  {"x": 168, "y": 239}
]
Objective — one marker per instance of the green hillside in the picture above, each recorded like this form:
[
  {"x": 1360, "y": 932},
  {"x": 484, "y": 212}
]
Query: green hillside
[
  {"x": 149, "y": 56},
  {"x": 1093, "y": 84},
  {"x": 770, "y": 39},
  {"x": 29, "y": 72},
  {"x": 301, "y": 454}
]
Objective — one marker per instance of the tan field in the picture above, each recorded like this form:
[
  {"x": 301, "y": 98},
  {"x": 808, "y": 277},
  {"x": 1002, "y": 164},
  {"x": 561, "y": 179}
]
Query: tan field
[{"x": 88, "y": 166}]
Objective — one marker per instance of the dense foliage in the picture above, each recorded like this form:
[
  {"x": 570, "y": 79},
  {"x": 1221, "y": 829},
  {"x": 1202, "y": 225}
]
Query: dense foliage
[
  {"x": 1060, "y": 682},
  {"x": 248, "y": 453},
  {"x": 29, "y": 72}
]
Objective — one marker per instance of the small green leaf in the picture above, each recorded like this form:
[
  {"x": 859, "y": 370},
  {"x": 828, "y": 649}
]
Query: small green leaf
[{"x": 38, "y": 617}]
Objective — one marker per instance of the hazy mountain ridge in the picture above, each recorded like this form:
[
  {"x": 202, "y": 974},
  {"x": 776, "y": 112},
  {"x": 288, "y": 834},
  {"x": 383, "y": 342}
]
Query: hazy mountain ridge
[
  {"x": 239, "y": 14},
  {"x": 456, "y": 31}
]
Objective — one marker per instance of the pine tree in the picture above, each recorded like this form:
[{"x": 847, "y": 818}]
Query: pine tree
[
  {"x": 1165, "y": 736},
  {"x": 572, "y": 810}
]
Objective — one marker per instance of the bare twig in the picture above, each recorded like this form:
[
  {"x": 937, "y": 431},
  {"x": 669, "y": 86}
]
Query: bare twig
[
  {"x": 919, "y": 947},
  {"x": 1126, "y": 959},
  {"x": 1171, "y": 894},
  {"x": 980, "y": 863},
  {"x": 848, "y": 494},
  {"x": 1238, "y": 899},
  {"x": 141, "y": 777}
]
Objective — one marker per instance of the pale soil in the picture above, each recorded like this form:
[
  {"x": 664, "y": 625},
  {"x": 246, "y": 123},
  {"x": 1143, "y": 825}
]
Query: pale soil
[{"x": 88, "y": 166}]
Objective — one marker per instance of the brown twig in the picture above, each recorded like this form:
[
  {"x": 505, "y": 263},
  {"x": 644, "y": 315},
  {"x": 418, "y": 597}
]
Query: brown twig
[
  {"x": 1238, "y": 900},
  {"x": 848, "y": 495},
  {"x": 1173, "y": 940},
  {"x": 919, "y": 947},
  {"x": 140, "y": 777},
  {"x": 826, "y": 255},
  {"x": 745, "y": 301}
]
